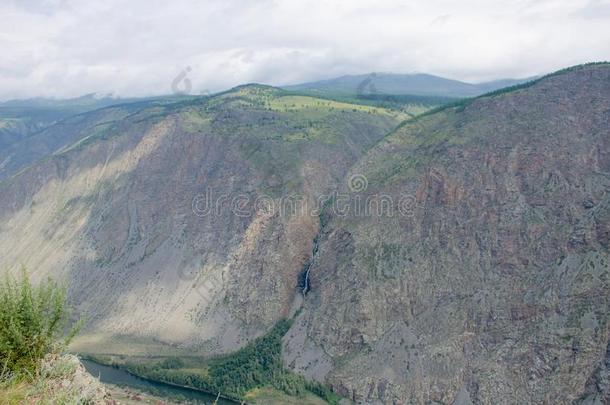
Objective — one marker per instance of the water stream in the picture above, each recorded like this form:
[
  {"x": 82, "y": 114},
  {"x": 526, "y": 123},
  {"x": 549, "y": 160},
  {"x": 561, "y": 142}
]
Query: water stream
[
  {"x": 310, "y": 263},
  {"x": 117, "y": 376}
]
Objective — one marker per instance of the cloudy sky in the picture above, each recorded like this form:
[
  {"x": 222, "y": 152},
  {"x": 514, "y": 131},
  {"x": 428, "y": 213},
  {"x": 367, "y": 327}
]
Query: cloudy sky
[{"x": 66, "y": 48}]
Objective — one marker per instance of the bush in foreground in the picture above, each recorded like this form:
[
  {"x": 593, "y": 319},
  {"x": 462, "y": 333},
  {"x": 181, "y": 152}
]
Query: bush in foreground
[{"x": 32, "y": 321}]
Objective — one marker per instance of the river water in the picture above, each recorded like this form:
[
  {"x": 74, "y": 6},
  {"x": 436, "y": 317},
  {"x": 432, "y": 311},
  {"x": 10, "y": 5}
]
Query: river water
[{"x": 117, "y": 376}]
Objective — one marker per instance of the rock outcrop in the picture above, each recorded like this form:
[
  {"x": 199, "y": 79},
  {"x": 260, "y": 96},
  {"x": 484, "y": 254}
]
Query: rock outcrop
[{"x": 63, "y": 380}]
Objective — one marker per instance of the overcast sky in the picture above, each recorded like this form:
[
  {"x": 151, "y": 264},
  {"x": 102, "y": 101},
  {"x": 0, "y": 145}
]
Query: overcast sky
[{"x": 66, "y": 48}]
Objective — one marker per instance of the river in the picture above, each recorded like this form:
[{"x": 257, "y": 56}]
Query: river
[{"x": 117, "y": 376}]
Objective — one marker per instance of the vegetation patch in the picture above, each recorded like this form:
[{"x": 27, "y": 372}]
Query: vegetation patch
[
  {"x": 32, "y": 321},
  {"x": 33, "y": 325},
  {"x": 297, "y": 103},
  {"x": 194, "y": 120},
  {"x": 257, "y": 366}
]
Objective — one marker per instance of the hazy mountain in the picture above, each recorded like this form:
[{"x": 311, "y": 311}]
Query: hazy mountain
[
  {"x": 35, "y": 128},
  {"x": 20, "y": 118},
  {"x": 417, "y": 84},
  {"x": 87, "y": 101}
]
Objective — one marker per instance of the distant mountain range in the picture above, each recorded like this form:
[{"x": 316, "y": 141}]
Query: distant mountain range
[
  {"x": 33, "y": 128},
  {"x": 418, "y": 84},
  {"x": 20, "y": 118},
  {"x": 88, "y": 102}
]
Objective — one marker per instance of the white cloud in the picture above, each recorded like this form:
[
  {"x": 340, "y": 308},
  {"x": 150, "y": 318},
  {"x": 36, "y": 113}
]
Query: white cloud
[{"x": 65, "y": 48}]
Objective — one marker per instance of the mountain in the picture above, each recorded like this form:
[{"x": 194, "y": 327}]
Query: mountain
[
  {"x": 417, "y": 84},
  {"x": 33, "y": 129},
  {"x": 485, "y": 279},
  {"x": 458, "y": 257},
  {"x": 19, "y": 118},
  {"x": 120, "y": 212}
]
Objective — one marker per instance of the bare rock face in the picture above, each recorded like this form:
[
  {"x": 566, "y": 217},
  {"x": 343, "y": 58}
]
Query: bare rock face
[
  {"x": 489, "y": 283},
  {"x": 597, "y": 390},
  {"x": 65, "y": 380}
]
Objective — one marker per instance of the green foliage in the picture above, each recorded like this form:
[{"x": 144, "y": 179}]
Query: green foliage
[
  {"x": 172, "y": 363},
  {"x": 322, "y": 391},
  {"x": 394, "y": 100},
  {"x": 32, "y": 319},
  {"x": 257, "y": 365}
]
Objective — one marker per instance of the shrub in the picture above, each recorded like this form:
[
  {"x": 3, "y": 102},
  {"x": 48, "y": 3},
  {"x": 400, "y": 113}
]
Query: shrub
[
  {"x": 32, "y": 320},
  {"x": 172, "y": 363}
]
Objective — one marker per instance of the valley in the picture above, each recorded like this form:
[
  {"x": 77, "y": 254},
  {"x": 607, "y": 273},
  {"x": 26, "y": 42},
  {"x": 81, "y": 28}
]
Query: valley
[{"x": 220, "y": 242}]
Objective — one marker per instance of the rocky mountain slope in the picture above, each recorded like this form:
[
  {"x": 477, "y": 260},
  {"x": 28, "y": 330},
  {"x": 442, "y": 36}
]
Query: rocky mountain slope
[
  {"x": 486, "y": 277},
  {"x": 122, "y": 215}
]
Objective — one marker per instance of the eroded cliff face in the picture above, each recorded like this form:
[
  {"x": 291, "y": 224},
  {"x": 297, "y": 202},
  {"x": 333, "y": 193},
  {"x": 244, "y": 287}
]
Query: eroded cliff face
[
  {"x": 154, "y": 221},
  {"x": 490, "y": 284}
]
